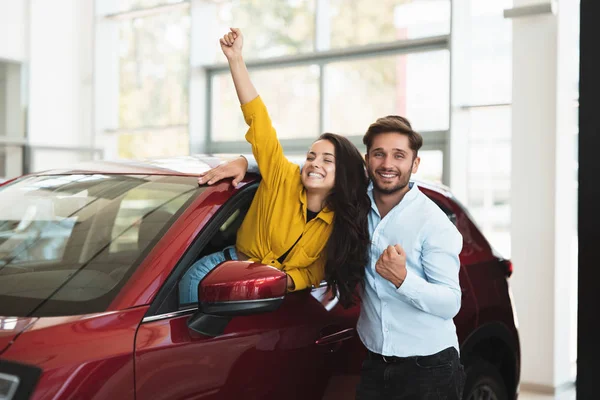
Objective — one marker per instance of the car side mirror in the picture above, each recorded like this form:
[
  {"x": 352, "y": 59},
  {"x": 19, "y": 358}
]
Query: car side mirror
[{"x": 236, "y": 288}]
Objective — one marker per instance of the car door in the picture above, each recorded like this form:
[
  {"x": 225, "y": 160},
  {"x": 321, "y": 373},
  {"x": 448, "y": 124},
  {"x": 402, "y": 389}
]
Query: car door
[
  {"x": 345, "y": 351},
  {"x": 302, "y": 350}
]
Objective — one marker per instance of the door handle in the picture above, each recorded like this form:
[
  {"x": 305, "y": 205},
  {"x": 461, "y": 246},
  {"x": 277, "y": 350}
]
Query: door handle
[{"x": 336, "y": 337}]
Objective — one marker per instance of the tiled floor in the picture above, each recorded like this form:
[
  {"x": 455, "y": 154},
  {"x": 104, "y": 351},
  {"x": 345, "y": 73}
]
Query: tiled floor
[{"x": 564, "y": 395}]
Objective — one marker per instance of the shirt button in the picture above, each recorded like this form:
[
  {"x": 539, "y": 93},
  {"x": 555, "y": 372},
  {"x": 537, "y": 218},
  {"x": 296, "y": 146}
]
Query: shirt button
[{"x": 384, "y": 304}]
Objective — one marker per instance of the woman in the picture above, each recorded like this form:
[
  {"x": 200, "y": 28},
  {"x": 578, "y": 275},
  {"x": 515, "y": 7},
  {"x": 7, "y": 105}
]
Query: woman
[{"x": 310, "y": 223}]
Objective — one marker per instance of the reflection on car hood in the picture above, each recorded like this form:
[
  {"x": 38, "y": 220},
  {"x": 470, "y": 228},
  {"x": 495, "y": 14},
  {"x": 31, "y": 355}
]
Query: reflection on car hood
[{"x": 10, "y": 328}]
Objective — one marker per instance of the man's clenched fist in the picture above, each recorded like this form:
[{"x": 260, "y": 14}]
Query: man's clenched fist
[{"x": 392, "y": 265}]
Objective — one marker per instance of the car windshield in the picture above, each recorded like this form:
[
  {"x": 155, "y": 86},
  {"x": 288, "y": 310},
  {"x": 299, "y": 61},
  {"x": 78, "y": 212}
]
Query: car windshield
[{"x": 68, "y": 243}]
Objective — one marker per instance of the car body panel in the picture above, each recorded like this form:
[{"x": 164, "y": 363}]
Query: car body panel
[
  {"x": 86, "y": 356},
  {"x": 10, "y": 328},
  {"x": 265, "y": 356}
]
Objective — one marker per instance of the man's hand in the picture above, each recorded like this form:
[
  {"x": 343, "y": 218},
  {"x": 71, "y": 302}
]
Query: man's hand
[
  {"x": 392, "y": 265},
  {"x": 235, "y": 169},
  {"x": 232, "y": 43}
]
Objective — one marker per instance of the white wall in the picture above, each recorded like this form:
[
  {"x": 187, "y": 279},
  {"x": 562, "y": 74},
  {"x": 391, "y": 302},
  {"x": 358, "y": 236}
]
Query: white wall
[
  {"x": 13, "y": 28},
  {"x": 542, "y": 225}
]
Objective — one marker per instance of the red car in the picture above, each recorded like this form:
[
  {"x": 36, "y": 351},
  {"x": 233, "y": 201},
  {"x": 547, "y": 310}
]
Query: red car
[{"x": 90, "y": 260}]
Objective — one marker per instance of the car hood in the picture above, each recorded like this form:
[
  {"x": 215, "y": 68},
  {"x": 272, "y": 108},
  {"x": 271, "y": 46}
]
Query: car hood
[{"x": 10, "y": 328}]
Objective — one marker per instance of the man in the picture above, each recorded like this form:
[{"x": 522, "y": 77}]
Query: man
[{"x": 411, "y": 292}]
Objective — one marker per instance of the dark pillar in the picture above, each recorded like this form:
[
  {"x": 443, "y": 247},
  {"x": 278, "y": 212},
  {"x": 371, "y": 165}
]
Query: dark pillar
[{"x": 588, "y": 338}]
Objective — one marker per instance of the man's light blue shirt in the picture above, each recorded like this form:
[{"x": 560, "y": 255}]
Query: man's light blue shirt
[{"x": 417, "y": 318}]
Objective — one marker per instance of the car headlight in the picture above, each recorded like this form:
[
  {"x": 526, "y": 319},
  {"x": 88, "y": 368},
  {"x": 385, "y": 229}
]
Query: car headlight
[{"x": 8, "y": 386}]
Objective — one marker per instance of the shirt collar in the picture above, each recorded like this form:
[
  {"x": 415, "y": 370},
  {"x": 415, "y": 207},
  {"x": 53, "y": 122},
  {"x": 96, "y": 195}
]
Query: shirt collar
[
  {"x": 326, "y": 215},
  {"x": 408, "y": 197}
]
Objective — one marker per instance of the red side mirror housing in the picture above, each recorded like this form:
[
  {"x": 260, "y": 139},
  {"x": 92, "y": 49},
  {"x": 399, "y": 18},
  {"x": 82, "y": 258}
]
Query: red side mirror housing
[
  {"x": 236, "y": 288},
  {"x": 238, "y": 281}
]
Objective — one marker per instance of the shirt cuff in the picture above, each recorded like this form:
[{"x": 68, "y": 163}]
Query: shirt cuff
[
  {"x": 411, "y": 287},
  {"x": 299, "y": 281},
  {"x": 251, "y": 108},
  {"x": 252, "y": 164}
]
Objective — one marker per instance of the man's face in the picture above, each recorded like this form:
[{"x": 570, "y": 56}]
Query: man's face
[{"x": 391, "y": 162}]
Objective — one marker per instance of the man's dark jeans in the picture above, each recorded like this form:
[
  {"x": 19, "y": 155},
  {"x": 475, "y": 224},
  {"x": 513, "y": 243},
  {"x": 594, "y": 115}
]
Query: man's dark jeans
[{"x": 440, "y": 376}]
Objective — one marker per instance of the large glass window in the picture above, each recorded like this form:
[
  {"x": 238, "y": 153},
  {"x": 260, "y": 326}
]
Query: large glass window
[
  {"x": 154, "y": 70},
  {"x": 489, "y": 166},
  {"x": 415, "y": 85},
  {"x": 431, "y": 167},
  {"x": 484, "y": 90},
  {"x": 274, "y": 28},
  {"x": 154, "y": 85},
  {"x": 148, "y": 143},
  {"x": 490, "y": 53},
  {"x": 290, "y": 94},
  {"x": 127, "y": 5},
  {"x": 362, "y": 22},
  {"x": 319, "y": 89}
]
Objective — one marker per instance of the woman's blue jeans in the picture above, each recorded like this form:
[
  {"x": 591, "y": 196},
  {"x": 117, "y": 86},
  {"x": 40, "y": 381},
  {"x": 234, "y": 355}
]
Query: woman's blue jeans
[{"x": 188, "y": 286}]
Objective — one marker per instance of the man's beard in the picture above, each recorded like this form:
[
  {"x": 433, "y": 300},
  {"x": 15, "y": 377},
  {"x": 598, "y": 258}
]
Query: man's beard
[{"x": 393, "y": 189}]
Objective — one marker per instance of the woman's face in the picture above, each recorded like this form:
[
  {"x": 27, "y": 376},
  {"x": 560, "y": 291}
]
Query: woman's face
[{"x": 318, "y": 172}]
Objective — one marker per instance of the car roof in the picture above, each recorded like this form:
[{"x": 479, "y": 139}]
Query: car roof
[{"x": 192, "y": 165}]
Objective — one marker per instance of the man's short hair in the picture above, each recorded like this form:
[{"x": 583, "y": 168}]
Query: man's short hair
[{"x": 393, "y": 124}]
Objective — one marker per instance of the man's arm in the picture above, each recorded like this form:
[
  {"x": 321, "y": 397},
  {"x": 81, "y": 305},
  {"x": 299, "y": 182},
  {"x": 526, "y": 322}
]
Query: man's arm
[{"x": 439, "y": 293}]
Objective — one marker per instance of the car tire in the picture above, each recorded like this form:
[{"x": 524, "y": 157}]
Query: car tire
[{"x": 484, "y": 382}]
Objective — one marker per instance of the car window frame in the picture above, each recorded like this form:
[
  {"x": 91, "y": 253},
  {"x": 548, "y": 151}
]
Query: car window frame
[{"x": 166, "y": 303}]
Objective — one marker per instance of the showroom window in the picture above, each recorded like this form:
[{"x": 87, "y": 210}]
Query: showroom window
[
  {"x": 337, "y": 73},
  {"x": 484, "y": 114},
  {"x": 320, "y": 65},
  {"x": 273, "y": 28},
  {"x": 358, "y": 22},
  {"x": 153, "y": 77},
  {"x": 360, "y": 91},
  {"x": 291, "y": 95}
]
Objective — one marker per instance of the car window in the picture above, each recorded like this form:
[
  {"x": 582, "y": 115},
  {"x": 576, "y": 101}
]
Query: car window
[
  {"x": 26, "y": 241},
  {"x": 224, "y": 236},
  {"x": 68, "y": 243},
  {"x": 139, "y": 202}
]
